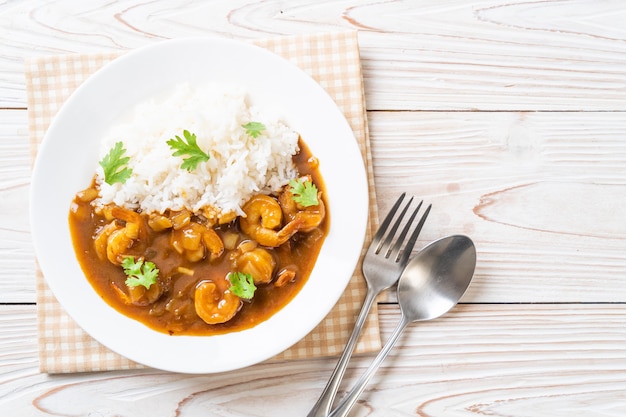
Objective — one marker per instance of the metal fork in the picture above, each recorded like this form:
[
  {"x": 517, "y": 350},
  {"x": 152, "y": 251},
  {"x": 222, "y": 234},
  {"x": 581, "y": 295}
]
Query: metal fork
[{"x": 382, "y": 266}]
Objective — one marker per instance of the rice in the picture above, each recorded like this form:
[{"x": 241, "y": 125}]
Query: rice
[{"x": 239, "y": 165}]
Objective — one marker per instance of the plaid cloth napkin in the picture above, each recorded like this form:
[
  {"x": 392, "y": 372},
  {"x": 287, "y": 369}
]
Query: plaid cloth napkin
[{"x": 332, "y": 59}]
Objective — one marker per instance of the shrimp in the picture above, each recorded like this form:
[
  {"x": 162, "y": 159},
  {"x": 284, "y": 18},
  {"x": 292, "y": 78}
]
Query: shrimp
[
  {"x": 263, "y": 217},
  {"x": 194, "y": 239},
  {"x": 118, "y": 243},
  {"x": 101, "y": 239},
  {"x": 310, "y": 217},
  {"x": 113, "y": 240},
  {"x": 133, "y": 222},
  {"x": 141, "y": 296},
  {"x": 254, "y": 260},
  {"x": 214, "y": 306}
]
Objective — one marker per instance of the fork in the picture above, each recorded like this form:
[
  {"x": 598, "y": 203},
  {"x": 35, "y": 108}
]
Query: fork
[{"x": 382, "y": 266}]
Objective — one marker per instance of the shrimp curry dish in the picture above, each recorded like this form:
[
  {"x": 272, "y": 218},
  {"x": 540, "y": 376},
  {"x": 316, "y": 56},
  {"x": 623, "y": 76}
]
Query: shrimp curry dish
[{"x": 203, "y": 271}]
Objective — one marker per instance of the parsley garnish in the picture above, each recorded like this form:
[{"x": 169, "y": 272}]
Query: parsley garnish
[
  {"x": 114, "y": 165},
  {"x": 304, "y": 192},
  {"x": 191, "y": 148},
  {"x": 242, "y": 285},
  {"x": 140, "y": 272},
  {"x": 254, "y": 129}
]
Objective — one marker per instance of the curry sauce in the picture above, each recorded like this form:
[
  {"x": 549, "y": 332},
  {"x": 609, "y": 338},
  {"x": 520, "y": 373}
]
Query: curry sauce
[{"x": 173, "y": 304}]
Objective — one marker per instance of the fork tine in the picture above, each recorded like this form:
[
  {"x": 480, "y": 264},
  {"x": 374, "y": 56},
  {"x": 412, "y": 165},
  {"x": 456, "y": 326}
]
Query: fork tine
[
  {"x": 387, "y": 243},
  {"x": 395, "y": 251},
  {"x": 385, "y": 224},
  {"x": 411, "y": 243}
]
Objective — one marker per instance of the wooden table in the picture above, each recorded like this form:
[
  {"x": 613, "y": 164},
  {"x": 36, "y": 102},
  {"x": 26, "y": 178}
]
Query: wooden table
[{"x": 509, "y": 117}]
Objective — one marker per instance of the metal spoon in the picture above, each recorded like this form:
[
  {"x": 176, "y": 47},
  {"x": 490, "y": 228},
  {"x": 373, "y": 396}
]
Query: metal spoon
[{"x": 431, "y": 284}]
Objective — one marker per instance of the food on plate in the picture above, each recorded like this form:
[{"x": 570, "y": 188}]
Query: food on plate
[{"x": 205, "y": 215}]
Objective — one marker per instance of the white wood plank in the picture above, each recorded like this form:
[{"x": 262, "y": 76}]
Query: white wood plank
[
  {"x": 18, "y": 341},
  {"x": 540, "y": 193},
  {"x": 492, "y": 55},
  {"x": 17, "y": 266},
  {"x": 451, "y": 55},
  {"x": 513, "y": 360}
]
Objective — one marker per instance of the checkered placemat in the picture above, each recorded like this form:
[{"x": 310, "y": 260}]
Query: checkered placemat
[{"x": 332, "y": 59}]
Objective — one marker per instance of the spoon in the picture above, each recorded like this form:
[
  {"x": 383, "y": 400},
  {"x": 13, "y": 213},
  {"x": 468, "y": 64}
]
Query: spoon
[{"x": 430, "y": 285}]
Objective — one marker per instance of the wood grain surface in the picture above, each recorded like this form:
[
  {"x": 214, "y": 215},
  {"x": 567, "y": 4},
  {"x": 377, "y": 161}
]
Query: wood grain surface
[{"x": 508, "y": 116}]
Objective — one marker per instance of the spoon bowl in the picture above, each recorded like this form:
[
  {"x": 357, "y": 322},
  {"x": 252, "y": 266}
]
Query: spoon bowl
[
  {"x": 436, "y": 279},
  {"x": 431, "y": 284}
]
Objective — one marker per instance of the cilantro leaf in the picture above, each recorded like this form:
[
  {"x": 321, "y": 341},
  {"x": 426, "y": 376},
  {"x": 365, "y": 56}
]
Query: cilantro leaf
[
  {"x": 114, "y": 165},
  {"x": 191, "y": 148},
  {"x": 139, "y": 272},
  {"x": 242, "y": 285},
  {"x": 254, "y": 129},
  {"x": 304, "y": 192}
]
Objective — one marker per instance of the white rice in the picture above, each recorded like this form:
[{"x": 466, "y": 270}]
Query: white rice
[{"x": 239, "y": 165}]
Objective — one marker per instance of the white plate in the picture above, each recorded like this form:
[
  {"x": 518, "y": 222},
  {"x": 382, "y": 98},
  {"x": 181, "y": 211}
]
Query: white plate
[{"x": 68, "y": 158}]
